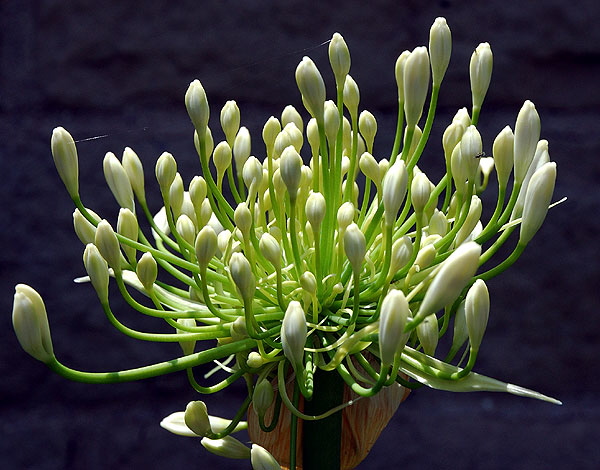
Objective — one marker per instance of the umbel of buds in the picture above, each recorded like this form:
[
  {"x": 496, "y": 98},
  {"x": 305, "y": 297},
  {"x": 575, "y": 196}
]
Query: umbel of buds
[{"x": 308, "y": 259}]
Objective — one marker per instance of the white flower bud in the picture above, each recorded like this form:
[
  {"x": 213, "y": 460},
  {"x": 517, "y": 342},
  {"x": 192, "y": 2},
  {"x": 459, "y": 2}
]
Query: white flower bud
[
  {"x": 269, "y": 247},
  {"x": 428, "y": 334},
  {"x": 241, "y": 273},
  {"x": 416, "y": 83},
  {"x": 473, "y": 216},
  {"x": 147, "y": 270},
  {"x": 399, "y": 74},
  {"x": 401, "y": 253},
  {"x": 460, "y": 170},
  {"x": 452, "y": 136},
  {"x": 166, "y": 169},
  {"x": 176, "y": 195},
  {"x": 480, "y": 71},
  {"x": 367, "y": 124},
  {"x": 108, "y": 245},
  {"x": 471, "y": 148},
  {"x": 118, "y": 181},
  {"x": 222, "y": 157},
  {"x": 332, "y": 123},
  {"x": 425, "y": 257},
  {"x": 227, "y": 446},
  {"x": 355, "y": 246},
  {"x": 293, "y": 334},
  {"x": 197, "y": 106},
  {"x": 440, "y": 48},
  {"x": 394, "y": 185},
  {"x": 262, "y": 460},
  {"x": 262, "y": 397},
  {"x": 270, "y": 131},
  {"x": 196, "y": 418},
  {"x": 243, "y": 218},
  {"x": 477, "y": 311},
  {"x": 30, "y": 322},
  {"x": 537, "y": 199},
  {"x": 85, "y": 230},
  {"x": 295, "y": 135},
  {"x": 370, "y": 168},
  {"x": 454, "y": 274},
  {"x": 64, "y": 153},
  {"x": 392, "y": 320},
  {"x": 241, "y": 148},
  {"x": 339, "y": 58},
  {"x": 503, "y": 153},
  {"x": 291, "y": 170},
  {"x": 291, "y": 115},
  {"x": 230, "y": 120},
  {"x": 206, "y": 213},
  {"x": 252, "y": 172},
  {"x": 527, "y": 135},
  {"x": 462, "y": 117},
  {"x": 223, "y": 239},
  {"x": 186, "y": 228},
  {"x": 312, "y": 134},
  {"x": 197, "y": 190},
  {"x": 97, "y": 269},
  {"x": 135, "y": 172},
  {"x": 205, "y": 245},
  {"x": 315, "y": 210},
  {"x": 351, "y": 95},
  {"x": 311, "y": 86},
  {"x": 460, "y": 332},
  {"x": 438, "y": 223},
  {"x": 541, "y": 156},
  {"x": 345, "y": 215},
  {"x": 420, "y": 190},
  {"x": 186, "y": 346},
  {"x": 127, "y": 225}
]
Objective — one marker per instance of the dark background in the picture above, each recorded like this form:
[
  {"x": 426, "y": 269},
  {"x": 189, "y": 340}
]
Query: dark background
[{"x": 122, "y": 68}]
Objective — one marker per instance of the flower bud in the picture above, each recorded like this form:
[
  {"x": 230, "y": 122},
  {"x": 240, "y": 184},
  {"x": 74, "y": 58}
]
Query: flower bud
[
  {"x": 222, "y": 156},
  {"x": 270, "y": 249},
  {"x": 85, "y": 230},
  {"x": 205, "y": 246},
  {"x": 315, "y": 210},
  {"x": 392, "y": 320},
  {"x": 451, "y": 138},
  {"x": 262, "y": 397},
  {"x": 394, "y": 184},
  {"x": 108, "y": 245},
  {"x": 262, "y": 460},
  {"x": 471, "y": 148},
  {"x": 64, "y": 153},
  {"x": 135, "y": 172},
  {"x": 291, "y": 170},
  {"x": 252, "y": 173},
  {"x": 401, "y": 253},
  {"x": 473, "y": 216},
  {"x": 241, "y": 148},
  {"x": 241, "y": 272},
  {"x": 243, "y": 218},
  {"x": 477, "y": 311},
  {"x": 416, "y": 83},
  {"x": 147, "y": 271},
  {"x": 440, "y": 48},
  {"x": 97, "y": 269},
  {"x": 454, "y": 274},
  {"x": 198, "y": 191},
  {"x": 355, "y": 247},
  {"x": 308, "y": 282},
  {"x": 127, "y": 226},
  {"x": 537, "y": 200},
  {"x": 345, "y": 215},
  {"x": 30, "y": 322},
  {"x": 186, "y": 346},
  {"x": 311, "y": 86},
  {"x": 368, "y": 165},
  {"x": 527, "y": 135},
  {"x": 438, "y": 223},
  {"x": 460, "y": 332},
  {"x": 428, "y": 334},
  {"x": 351, "y": 95},
  {"x": 230, "y": 121},
  {"x": 166, "y": 169},
  {"x": 293, "y": 334},
  {"x": 367, "y": 125},
  {"x": 480, "y": 70},
  {"x": 291, "y": 115},
  {"x": 118, "y": 181},
  {"x": 420, "y": 190},
  {"x": 196, "y": 104},
  {"x": 227, "y": 446},
  {"x": 176, "y": 195},
  {"x": 332, "y": 124},
  {"x": 339, "y": 58},
  {"x": 503, "y": 152},
  {"x": 196, "y": 418},
  {"x": 399, "y": 74},
  {"x": 186, "y": 228},
  {"x": 270, "y": 131}
]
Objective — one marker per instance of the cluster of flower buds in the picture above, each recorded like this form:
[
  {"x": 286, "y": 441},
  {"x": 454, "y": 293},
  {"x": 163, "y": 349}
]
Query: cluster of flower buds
[{"x": 306, "y": 251}]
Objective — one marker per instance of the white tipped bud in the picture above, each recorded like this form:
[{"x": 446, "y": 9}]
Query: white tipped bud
[
  {"x": 197, "y": 191},
  {"x": 252, "y": 173},
  {"x": 420, "y": 190},
  {"x": 345, "y": 215},
  {"x": 471, "y": 149},
  {"x": 394, "y": 184},
  {"x": 85, "y": 230},
  {"x": 118, "y": 181},
  {"x": 312, "y": 134},
  {"x": 355, "y": 247},
  {"x": 367, "y": 124},
  {"x": 339, "y": 58},
  {"x": 241, "y": 148},
  {"x": 473, "y": 216},
  {"x": 222, "y": 157},
  {"x": 166, "y": 169},
  {"x": 64, "y": 153},
  {"x": 428, "y": 334},
  {"x": 291, "y": 170},
  {"x": 416, "y": 83},
  {"x": 351, "y": 95},
  {"x": 108, "y": 245},
  {"x": 425, "y": 257},
  {"x": 311, "y": 86},
  {"x": 315, "y": 210},
  {"x": 460, "y": 170},
  {"x": 262, "y": 397},
  {"x": 537, "y": 199},
  {"x": 477, "y": 311},
  {"x": 269, "y": 247},
  {"x": 30, "y": 322},
  {"x": 127, "y": 226},
  {"x": 527, "y": 135},
  {"x": 454, "y": 274},
  {"x": 241, "y": 273},
  {"x": 503, "y": 152},
  {"x": 186, "y": 346},
  {"x": 196, "y": 418},
  {"x": 197, "y": 106},
  {"x": 230, "y": 120},
  {"x": 460, "y": 332},
  {"x": 270, "y": 131},
  {"x": 440, "y": 48},
  {"x": 147, "y": 270},
  {"x": 262, "y": 460},
  {"x": 480, "y": 71},
  {"x": 97, "y": 269},
  {"x": 399, "y": 74},
  {"x": 332, "y": 123},
  {"x": 401, "y": 253},
  {"x": 451, "y": 137},
  {"x": 243, "y": 218},
  {"x": 186, "y": 228},
  {"x": 135, "y": 172},
  {"x": 291, "y": 115},
  {"x": 392, "y": 320},
  {"x": 369, "y": 166},
  {"x": 295, "y": 135},
  {"x": 205, "y": 245},
  {"x": 176, "y": 195},
  {"x": 293, "y": 334},
  {"x": 255, "y": 360},
  {"x": 438, "y": 223},
  {"x": 223, "y": 239},
  {"x": 227, "y": 446}
]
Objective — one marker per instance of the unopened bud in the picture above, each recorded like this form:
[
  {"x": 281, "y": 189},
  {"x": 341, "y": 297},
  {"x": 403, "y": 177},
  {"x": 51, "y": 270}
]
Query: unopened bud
[
  {"x": 440, "y": 48},
  {"x": 147, "y": 271},
  {"x": 262, "y": 397},
  {"x": 108, "y": 244},
  {"x": 477, "y": 311},
  {"x": 135, "y": 172},
  {"x": 416, "y": 83},
  {"x": 527, "y": 135},
  {"x": 393, "y": 317},
  {"x": 367, "y": 124},
  {"x": 127, "y": 226},
  {"x": 269, "y": 247},
  {"x": 230, "y": 120},
  {"x": 197, "y": 106},
  {"x": 420, "y": 190},
  {"x": 85, "y": 230},
  {"x": 261, "y": 459},
  {"x": 291, "y": 115},
  {"x": 293, "y": 334},
  {"x": 227, "y": 446},
  {"x": 205, "y": 245},
  {"x": 291, "y": 170},
  {"x": 315, "y": 210},
  {"x": 311, "y": 86},
  {"x": 118, "y": 181},
  {"x": 428, "y": 334},
  {"x": 241, "y": 272},
  {"x": 166, "y": 169},
  {"x": 64, "y": 153},
  {"x": 97, "y": 269},
  {"x": 355, "y": 247},
  {"x": 339, "y": 58},
  {"x": 537, "y": 199},
  {"x": 394, "y": 184},
  {"x": 186, "y": 346},
  {"x": 351, "y": 96},
  {"x": 196, "y": 418},
  {"x": 399, "y": 74},
  {"x": 480, "y": 70},
  {"x": 241, "y": 148}
]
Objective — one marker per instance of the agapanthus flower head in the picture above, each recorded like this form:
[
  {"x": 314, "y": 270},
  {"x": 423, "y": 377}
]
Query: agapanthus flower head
[{"x": 309, "y": 253}]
